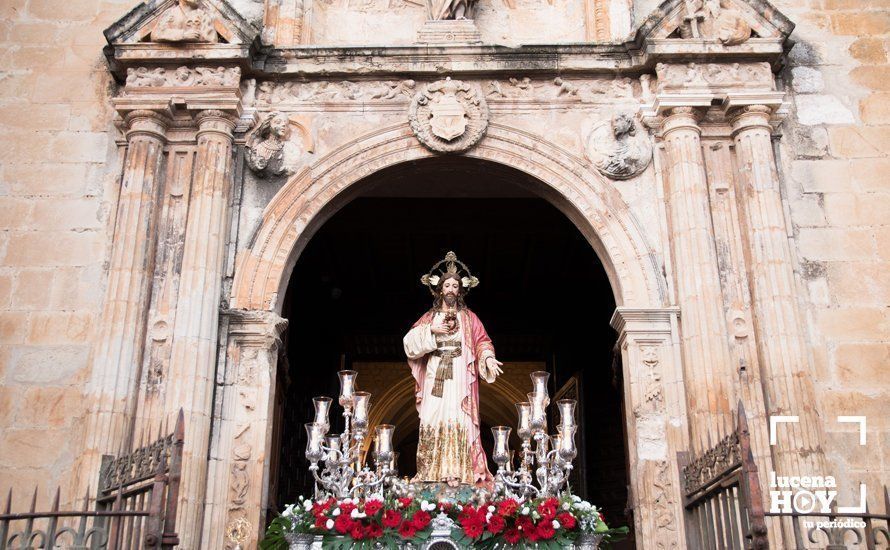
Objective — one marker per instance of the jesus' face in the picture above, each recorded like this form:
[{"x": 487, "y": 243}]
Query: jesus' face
[{"x": 450, "y": 291}]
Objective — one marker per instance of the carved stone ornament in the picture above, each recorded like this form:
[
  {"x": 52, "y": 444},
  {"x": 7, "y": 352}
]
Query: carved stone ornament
[
  {"x": 270, "y": 149},
  {"x": 448, "y": 116},
  {"x": 714, "y": 20},
  {"x": 144, "y": 77},
  {"x": 619, "y": 148},
  {"x": 185, "y": 22}
]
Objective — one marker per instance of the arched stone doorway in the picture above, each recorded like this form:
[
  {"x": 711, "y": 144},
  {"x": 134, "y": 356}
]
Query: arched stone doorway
[
  {"x": 652, "y": 387},
  {"x": 545, "y": 300}
]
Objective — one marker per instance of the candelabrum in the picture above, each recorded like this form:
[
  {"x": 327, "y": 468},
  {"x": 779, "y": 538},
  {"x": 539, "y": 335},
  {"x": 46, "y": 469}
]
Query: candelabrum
[
  {"x": 342, "y": 473},
  {"x": 544, "y": 467}
]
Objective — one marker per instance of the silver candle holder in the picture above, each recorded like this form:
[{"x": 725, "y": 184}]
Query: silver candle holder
[
  {"x": 335, "y": 460},
  {"x": 545, "y": 461}
]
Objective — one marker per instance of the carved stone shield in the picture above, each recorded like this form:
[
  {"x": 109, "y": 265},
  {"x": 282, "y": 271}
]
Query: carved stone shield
[{"x": 448, "y": 116}]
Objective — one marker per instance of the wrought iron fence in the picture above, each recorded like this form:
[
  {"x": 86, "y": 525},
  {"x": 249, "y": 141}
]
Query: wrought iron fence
[
  {"x": 722, "y": 495},
  {"x": 135, "y": 506}
]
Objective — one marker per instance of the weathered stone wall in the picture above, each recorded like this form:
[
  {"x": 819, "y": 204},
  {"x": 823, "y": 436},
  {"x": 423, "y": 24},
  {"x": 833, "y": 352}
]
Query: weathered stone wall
[
  {"x": 835, "y": 157},
  {"x": 57, "y": 195}
]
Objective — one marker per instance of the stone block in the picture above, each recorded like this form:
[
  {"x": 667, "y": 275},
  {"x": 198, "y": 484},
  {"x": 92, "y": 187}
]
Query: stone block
[
  {"x": 873, "y": 77},
  {"x": 861, "y": 209},
  {"x": 78, "y": 288},
  {"x": 48, "y": 365},
  {"x": 62, "y": 10},
  {"x": 860, "y": 23},
  {"x": 48, "y": 178},
  {"x": 809, "y": 142},
  {"x": 828, "y": 244},
  {"x": 859, "y": 283},
  {"x": 882, "y": 236},
  {"x": 819, "y": 176},
  {"x": 859, "y": 141},
  {"x": 45, "y": 117},
  {"x": 853, "y": 323},
  {"x": 61, "y": 214},
  {"x": 80, "y": 146},
  {"x": 31, "y": 290},
  {"x": 60, "y": 327},
  {"x": 53, "y": 407},
  {"x": 871, "y": 174},
  {"x": 869, "y": 51},
  {"x": 806, "y": 211},
  {"x": 16, "y": 212},
  {"x": 813, "y": 109},
  {"x": 875, "y": 109},
  {"x": 6, "y": 281},
  {"x": 54, "y": 248},
  {"x": 807, "y": 80},
  {"x": 860, "y": 364},
  {"x": 13, "y": 327},
  {"x": 34, "y": 447}
]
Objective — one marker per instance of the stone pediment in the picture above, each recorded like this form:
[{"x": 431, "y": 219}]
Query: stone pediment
[
  {"x": 141, "y": 24},
  {"x": 730, "y": 24}
]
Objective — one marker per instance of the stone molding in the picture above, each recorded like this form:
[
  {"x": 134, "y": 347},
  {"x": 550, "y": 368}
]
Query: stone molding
[
  {"x": 184, "y": 76},
  {"x": 144, "y": 122}
]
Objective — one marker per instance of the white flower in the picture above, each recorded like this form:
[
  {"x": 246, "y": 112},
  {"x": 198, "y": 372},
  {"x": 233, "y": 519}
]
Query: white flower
[
  {"x": 427, "y": 506},
  {"x": 336, "y": 512},
  {"x": 356, "y": 514},
  {"x": 487, "y": 517},
  {"x": 329, "y": 524},
  {"x": 434, "y": 280},
  {"x": 491, "y": 509},
  {"x": 465, "y": 281},
  {"x": 566, "y": 506},
  {"x": 307, "y": 505},
  {"x": 556, "y": 524},
  {"x": 536, "y": 516},
  {"x": 525, "y": 511},
  {"x": 460, "y": 507},
  {"x": 576, "y": 498},
  {"x": 347, "y": 500},
  {"x": 289, "y": 511}
]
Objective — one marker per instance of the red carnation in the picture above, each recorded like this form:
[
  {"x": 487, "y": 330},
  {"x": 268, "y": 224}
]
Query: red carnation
[
  {"x": 420, "y": 520},
  {"x": 507, "y": 507},
  {"x": 346, "y": 508},
  {"x": 496, "y": 524},
  {"x": 512, "y": 535},
  {"x": 545, "y": 529},
  {"x": 374, "y": 530},
  {"x": 473, "y": 529},
  {"x": 406, "y": 501},
  {"x": 343, "y": 524},
  {"x": 392, "y": 519},
  {"x": 357, "y": 532},
  {"x": 372, "y": 507},
  {"x": 567, "y": 520},
  {"x": 524, "y": 524},
  {"x": 548, "y": 508},
  {"x": 466, "y": 514},
  {"x": 321, "y": 522},
  {"x": 407, "y": 530}
]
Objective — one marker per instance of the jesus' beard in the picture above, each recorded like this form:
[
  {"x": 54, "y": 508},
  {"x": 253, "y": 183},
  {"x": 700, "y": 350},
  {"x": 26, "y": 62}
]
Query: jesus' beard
[{"x": 450, "y": 300}]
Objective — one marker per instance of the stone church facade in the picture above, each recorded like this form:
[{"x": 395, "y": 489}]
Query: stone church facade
[{"x": 164, "y": 165}]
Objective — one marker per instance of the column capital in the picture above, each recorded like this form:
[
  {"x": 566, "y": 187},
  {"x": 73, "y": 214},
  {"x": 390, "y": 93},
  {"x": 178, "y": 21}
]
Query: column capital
[
  {"x": 681, "y": 118},
  {"x": 627, "y": 320},
  {"x": 750, "y": 117},
  {"x": 215, "y": 121},
  {"x": 146, "y": 122},
  {"x": 254, "y": 328}
]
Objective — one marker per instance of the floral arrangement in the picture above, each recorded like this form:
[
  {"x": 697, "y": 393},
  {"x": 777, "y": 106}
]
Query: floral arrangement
[{"x": 544, "y": 522}]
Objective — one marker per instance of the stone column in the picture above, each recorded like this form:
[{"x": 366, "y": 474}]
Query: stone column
[
  {"x": 118, "y": 352},
  {"x": 240, "y": 454},
  {"x": 195, "y": 330},
  {"x": 655, "y": 411},
  {"x": 778, "y": 323},
  {"x": 703, "y": 326}
]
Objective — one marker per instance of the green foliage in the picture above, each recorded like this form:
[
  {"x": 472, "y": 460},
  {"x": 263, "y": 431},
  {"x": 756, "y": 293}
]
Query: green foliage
[{"x": 274, "y": 538}]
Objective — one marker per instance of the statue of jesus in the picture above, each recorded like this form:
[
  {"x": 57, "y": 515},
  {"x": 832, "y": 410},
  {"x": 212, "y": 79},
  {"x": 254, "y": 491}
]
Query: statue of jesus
[{"x": 448, "y": 351}]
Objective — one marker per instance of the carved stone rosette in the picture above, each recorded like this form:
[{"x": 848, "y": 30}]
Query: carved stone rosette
[{"x": 448, "y": 116}]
